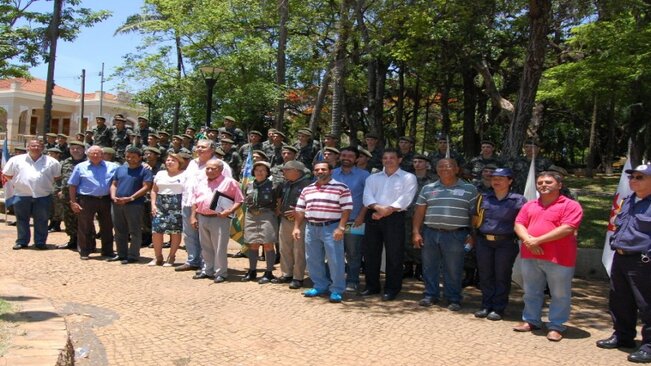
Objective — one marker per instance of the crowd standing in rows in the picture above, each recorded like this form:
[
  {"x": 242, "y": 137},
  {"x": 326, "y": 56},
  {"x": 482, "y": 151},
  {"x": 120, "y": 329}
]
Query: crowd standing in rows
[{"x": 333, "y": 211}]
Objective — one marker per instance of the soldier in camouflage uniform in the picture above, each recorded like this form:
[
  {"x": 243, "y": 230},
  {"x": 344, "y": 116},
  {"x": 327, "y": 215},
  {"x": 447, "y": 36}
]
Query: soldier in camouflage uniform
[
  {"x": 477, "y": 164},
  {"x": 275, "y": 147},
  {"x": 412, "y": 259},
  {"x": 164, "y": 141},
  {"x": 405, "y": 146},
  {"x": 520, "y": 165},
  {"x": 306, "y": 148},
  {"x": 255, "y": 143},
  {"x": 269, "y": 141},
  {"x": 50, "y": 141},
  {"x": 119, "y": 138},
  {"x": 102, "y": 135},
  {"x": 483, "y": 185},
  {"x": 61, "y": 191},
  {"x": 143, "y": 129},
  {"x": 440, "y": 152},
  {"x": 372, "y": 146},
  {"x": 177, "y": 146},
  {"x": 288, "y": 154},
  {"x": 231, "y": 157},
  {"x": 56, "y": 209},
  {"x": 237, "y": 134},
  {"x": 62, "y": 144}
]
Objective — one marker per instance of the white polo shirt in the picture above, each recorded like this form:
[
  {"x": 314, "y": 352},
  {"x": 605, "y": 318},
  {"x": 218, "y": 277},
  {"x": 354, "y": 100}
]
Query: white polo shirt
[{"x": 32, "y": 178}]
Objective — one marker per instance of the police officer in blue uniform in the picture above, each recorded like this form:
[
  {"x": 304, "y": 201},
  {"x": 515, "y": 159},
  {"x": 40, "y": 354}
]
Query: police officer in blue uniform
[
  {"x": 496, "y": 242},
  {"x": 630, "y": 274}
]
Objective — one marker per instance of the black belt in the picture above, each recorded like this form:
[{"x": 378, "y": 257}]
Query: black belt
[
  {"x": 627, "y": 252},
  {"x": 448, "y": 230},
  {"x": 322, "y": 223},
  {"x": 95, "y": 197},
  {"x": 492, "y": 237}
]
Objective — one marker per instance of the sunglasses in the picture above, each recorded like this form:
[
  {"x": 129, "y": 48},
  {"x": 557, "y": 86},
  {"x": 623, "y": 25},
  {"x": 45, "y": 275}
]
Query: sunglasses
[{"x": 636, "y": 177}]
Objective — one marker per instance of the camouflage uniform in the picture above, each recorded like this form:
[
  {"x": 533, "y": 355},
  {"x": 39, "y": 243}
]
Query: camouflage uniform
[
  {"x": 238, "y": 135},
  {"x": 306, "y": 154},
  {"x": 520, "y": 167},
  {"x": 69, "y": 217},
  {"x": 120, "y": 141},
  {"x": 102, "y": 136},
  {"x": 413, "y": 255},
  {"x": 234, "y": 160},
  {"x": 435, "y": 156},
  {"x": 171, "y": 150},
  {"x": 144, "y": 133},
  {"x": 65, "y": 150},
  {"x": 376, "y": 159},
  {"x": 477, "y": 164},
  {"x": 407, "y": 162},
  {"x": 274, "y": 153},
  {"x": 244, "y": 150}
]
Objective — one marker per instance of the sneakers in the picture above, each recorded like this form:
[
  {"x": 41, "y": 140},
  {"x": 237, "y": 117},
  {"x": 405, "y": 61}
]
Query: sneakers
[
  {"x": 314, "y": 292},
  {"x": 454, "y": 306},
  {"x": 335, "y": 297},
  {"x": 483, "y": 313},
  {"x": 266, "y": 278},
  {"x": 494, "y": 316},
  {"x": 352, "y": 287}
]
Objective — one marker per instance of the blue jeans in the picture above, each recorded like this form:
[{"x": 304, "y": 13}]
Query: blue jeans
[
  {"x": 320, "y": 246},
  {"x": 36, "y": 208},
  {"x": 191, "y": 239},
  {"x": 353, "y": 248},
  {"x": 536, "y": 273},
  {"x": 443, "y": 248}
]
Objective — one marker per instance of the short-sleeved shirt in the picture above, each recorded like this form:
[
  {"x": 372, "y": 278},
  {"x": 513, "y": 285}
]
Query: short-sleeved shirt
[
  {"x": 539, "y": 220},
  {"x": 169, "y": 185},
  {"x": 355, "y": 181},
  {"x": 448, "y": 207},
  {"x": 499, "y": 215},
  {"x": 204, "y": 192},
  {"x": 32, "y": 178},
  {"x": 633, "y": 224},
  {"x": 325, "y": 202},
  {"x": 130, "y": 181},
  {"x": 93, "y": 180}
]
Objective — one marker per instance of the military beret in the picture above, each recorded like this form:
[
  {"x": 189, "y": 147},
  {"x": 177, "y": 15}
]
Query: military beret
[
  {"x": 372, "y": 135},
  {"x": 190, "y": 128},
  {"x": 488, "y": 142},
  {"x": 557, "y": 169},
  {"x": 226, "y": 132},
  {"x": 219, "y": 151},
  {"x": 406, "y": 138},
  {"x": 154, "y": 135},
  {"x": 261, "y": 154},
  {"x": 108, "y": 150},
  {"x": 79, "y": 134},
  {"x": 305, "y": 131},
  {"x": 227, "y": 140},
  {"x": 184, "y": 155},
  {"x": 76, "y": 143},
  {"x": 143, "y": 118},
  {"x": 62, "y": 135},
  {"x": 365, "y": 152},
  {"x": 155, "y": 150},
  {"x": 51, "y": 134},
  {"x": 290, "y": 148},
  {"x": 100, "y": 117},
  {"x": 186, "y": 136},
  {"x": 332, "y": 150},
  {"x": 54, "y": 150},
  {"x": 212, "y": 129},
  {"x": 272, "y": 130},
  {"x": 421, "y": 157},
  {"x": 161, "y": 133},
  {"x": 331, "y": 136},
  {"x": 256, "y": 132},
  {"x": 263, "y": 163},
  {"x": 489, "y": 166},
  {"x": 89, "y": 131},
  {"x": 133, "y": 133},
  {"x": 276, "y": 132},
  {"x": 119, "y": 115},
  {"x": 177, "y": 137},
  {"x": 294, "y": 164},
  {"x": 229, "y": 118},
  {"x": 119, "y": 118}
]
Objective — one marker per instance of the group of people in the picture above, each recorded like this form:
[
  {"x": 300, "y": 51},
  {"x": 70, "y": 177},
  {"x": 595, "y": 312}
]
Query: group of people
[{"x": 334, "y": 212}]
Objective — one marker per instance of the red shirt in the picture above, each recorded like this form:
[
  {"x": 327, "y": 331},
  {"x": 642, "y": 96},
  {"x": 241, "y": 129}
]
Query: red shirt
[{"x": 540, "y": 220}]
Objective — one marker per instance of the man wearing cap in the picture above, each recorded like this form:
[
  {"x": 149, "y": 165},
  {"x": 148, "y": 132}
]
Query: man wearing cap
[
  {"x": 329, "y": 140},
  {"x": 134, "y": 137},
  {"x": 483, "y": 185},
  {"x": 213, "y": 134},
  {"x": 119, "y": 137},
  {"x": 88, "y": 139},
  {"x": 355, "y": 179},
  {"x": 486, "y": 156},
  {"x": 292, "y": 250},
  {"x": 164, "y": 141},
  {"x": 442, "y": 149},
  {"x": 630, "y": 288},
  {"x": 237, "y": 135},
  {"x": 306, "y": 149},
  {"x": 363, "y": 160},
  {"x": 445, "y": 209},
  {"x": 177, "y": 146},
  {"x": 32, "y": 175},
  {"x": 371, "y": 140},
  {"x": 413, "y": 260},
  {"x": 56, "y": 212},
  {"x": 520, "y": 165},
  {"x": 269, "y": 141},
  {"x": 77, "y": 155},
  {"x": 288, "y": 154},
  {"x": 406, "y": 145},
  {"x": 331, "y": 156},
  {"x": 143, "y": 129},
  {"x": 255, "y": 143},
  {"x": 547, "y": 228},
  {"x": 387, "y": 195},
  {"x": 102, "y": 135},
  {"x": 325, "y": 205},
  {"x": 62, "y": 144},
  {"x": 50, "y": 140},
  {"x": 231, "y": 157},
  {"x": 274, "y": 148}
]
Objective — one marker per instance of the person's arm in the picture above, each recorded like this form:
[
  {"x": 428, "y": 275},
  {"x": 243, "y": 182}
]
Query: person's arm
[
  {"x": 74, "y": 205},
  {"x": 298, "y": 220},
  {"x": 523, "y": 234},
  {"x": 558, "y": 233},
  {"x": 146, "y": 186},
  {"x": 361, "y": 216},
  {"x": 152, "y": 196},
  {"x": 193, "y": 217},
  {"x": 339, "y": 231},
  {"x": 417, "y": 223}
]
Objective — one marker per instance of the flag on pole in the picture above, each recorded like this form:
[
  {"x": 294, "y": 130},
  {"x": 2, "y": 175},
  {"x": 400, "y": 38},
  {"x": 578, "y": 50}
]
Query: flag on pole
[
  {"x": 447, "y": 150},
  {"x": 237, "y": 225},
  {"x": 7, "y": 184},
  {"x": 530, "y": 193},
  {"x": 623, "y": 191}
]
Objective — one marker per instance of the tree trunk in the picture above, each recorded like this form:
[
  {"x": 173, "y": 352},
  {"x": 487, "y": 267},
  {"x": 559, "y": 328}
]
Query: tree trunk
[
  {"x": 469, "y": 107},
  {"x": 445, "y": 106},
  {"x": 340, "y": 68},
  {"x": 376, "y": 105},
  {"x": 283, "y": 9},
  {"x": 320, "y": 98},
  {"x": 611, "y": 140},
  {"x": 400, "y": 104},
  {"x": 539, "y": 18},
  {"x": 179, "y": 75},
  {"x": 589, "y": 168},
  {"x": 414, "y": 118},
  {"x": 53, "y": 37}
]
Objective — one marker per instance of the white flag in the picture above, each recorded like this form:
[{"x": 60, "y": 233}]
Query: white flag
[
  {"x": 623, "y": 191},
  {"x": 530, "y": 193}
]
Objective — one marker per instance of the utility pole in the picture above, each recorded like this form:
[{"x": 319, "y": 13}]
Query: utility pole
[
  {"x": 101, "y": 90},
  {"x": 53, "y": 36},
  {"x": 83, "y": 96}
]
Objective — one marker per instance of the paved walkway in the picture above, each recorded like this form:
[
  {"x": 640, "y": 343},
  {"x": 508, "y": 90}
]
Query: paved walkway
[{"x": 138, "y": 315}]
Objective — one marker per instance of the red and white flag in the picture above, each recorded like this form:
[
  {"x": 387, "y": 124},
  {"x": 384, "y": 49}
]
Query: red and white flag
[{"x": 623, "y": 191}]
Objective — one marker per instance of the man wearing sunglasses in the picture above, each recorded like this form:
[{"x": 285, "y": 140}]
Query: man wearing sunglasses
[{"x": 630, "y": 288}]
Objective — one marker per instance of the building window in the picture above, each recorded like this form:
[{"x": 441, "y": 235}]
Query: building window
[
  {"x": 54, "y": 125},
  {"x": 33, "y": 122},
  {"x": 66, "y": 126}
]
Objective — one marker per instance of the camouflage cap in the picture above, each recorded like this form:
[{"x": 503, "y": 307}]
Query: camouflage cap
[
  {"x": 290, "y": 148},
  {"x": 155, "y": 150},
  {"x": 332, "y": 150},
  {"x": 108, "y": 150}
]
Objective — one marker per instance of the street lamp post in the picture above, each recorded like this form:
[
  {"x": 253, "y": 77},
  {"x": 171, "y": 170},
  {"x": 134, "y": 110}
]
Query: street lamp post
[{"x": 209, "y": 74}]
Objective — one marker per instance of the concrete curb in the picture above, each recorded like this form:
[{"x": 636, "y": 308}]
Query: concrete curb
[{"x": 41, "y": 335}]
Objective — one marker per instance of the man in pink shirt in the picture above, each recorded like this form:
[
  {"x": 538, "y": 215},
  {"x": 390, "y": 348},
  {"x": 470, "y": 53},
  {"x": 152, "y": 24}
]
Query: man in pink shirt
[
  {"x": 215, "y": 199},
  {"x": 547, "y": 229}
]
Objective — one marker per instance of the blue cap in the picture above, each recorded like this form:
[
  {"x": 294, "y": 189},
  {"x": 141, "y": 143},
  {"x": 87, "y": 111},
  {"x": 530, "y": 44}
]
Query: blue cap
[
  {"x": 502, "y": 172},
  {"x": 644, "y": 169}
]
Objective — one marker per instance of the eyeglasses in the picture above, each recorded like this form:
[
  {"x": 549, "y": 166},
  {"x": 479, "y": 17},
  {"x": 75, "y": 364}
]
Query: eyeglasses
[{"x": 636, "y": 177}]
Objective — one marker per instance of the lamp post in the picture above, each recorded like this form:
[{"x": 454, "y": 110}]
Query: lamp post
[{"x": 209, "y": 74}]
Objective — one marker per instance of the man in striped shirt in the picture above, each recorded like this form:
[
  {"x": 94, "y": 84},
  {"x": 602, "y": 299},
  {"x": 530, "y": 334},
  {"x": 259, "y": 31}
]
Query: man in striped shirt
[
  {"x": 325, "y": 205},
  {"x": 445, "y": 207}
]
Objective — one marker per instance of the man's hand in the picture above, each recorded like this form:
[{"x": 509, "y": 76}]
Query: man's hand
[
  {"x": 76, "y": 207},
  {"x": 194, "y": 222},
  {"x": 296, "y": 233},
  {"x": 533, "y": 244},
  {"x": 417, "y": 240},
  {"x": 338, "y": 234}
]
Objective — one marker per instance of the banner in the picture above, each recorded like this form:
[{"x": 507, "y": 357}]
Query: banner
[
  {"x": 237, "y": 224},
  {"x": 623, "y": 191},
  {"x": 530, "y": 193}
]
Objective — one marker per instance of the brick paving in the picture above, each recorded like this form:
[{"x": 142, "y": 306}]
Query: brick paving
[{"x": 139, "y": 315}]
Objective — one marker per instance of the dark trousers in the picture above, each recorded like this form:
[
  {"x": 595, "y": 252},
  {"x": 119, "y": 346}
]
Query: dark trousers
[
  {"x": 495, "y": 263},
  {"x": 387, "y": 233},
  {"x": 630, "y": 292},
  {"x": 92, "y": 206}
]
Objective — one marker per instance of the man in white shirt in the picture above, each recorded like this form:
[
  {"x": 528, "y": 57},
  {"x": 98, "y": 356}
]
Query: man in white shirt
[
  {"x": 33, "y": 176},
  {"x": 387, "y": 195}
]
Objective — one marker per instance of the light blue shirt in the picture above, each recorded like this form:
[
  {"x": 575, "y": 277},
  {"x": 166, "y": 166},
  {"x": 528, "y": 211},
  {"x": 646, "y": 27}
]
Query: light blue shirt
[
  {"x": 93, "y": 180},
  {"x": 355, "y": 180}
]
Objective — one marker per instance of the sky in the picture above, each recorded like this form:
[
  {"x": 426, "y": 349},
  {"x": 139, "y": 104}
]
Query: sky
[{"x": 92, "y": 47}]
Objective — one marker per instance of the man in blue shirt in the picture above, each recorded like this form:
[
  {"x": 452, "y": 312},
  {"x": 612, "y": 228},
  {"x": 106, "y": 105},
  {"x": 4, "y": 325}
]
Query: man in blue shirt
[
  {"x": 355, "y": 178},
  {"x": 130, "y": 183},
  {"x": 89, "y": 196},
  {"x": 630, "y": 288}
]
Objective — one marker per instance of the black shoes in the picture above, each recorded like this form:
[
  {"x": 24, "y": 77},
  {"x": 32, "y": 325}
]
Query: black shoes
[
  {"x": 369, "y": 292},
  {"x": 249, "y": 276},
  {"x": 614, "y": 342},
  {"x": 389, "y": 296},
  {"x": 115, "y": 259},
  {"x": 186, "y": 267},
  {"x": 295, "y": 284},
  {"x": 282, "y": 279},
  {"x": 266, "y": 278},
  {"x": 18, "y": 247},
  {"x": 220, "y": 279},
  {"x": 494, "y": 316},
  {"x": 239, "y": 255},
  {"x": 200, "y": 276},
  {"x": 482, "y": 313},
  {"x": 428, "y": 301},
  {"x": 640, "y": 357}
]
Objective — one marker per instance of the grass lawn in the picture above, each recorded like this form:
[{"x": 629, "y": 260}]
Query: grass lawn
[
  {"x": 5, "y": 308},
  {"x": 595, "y": 196}
]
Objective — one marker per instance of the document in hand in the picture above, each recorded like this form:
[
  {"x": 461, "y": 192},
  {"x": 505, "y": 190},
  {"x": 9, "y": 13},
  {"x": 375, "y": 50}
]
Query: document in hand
[{"x": 221, "y": 202}]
